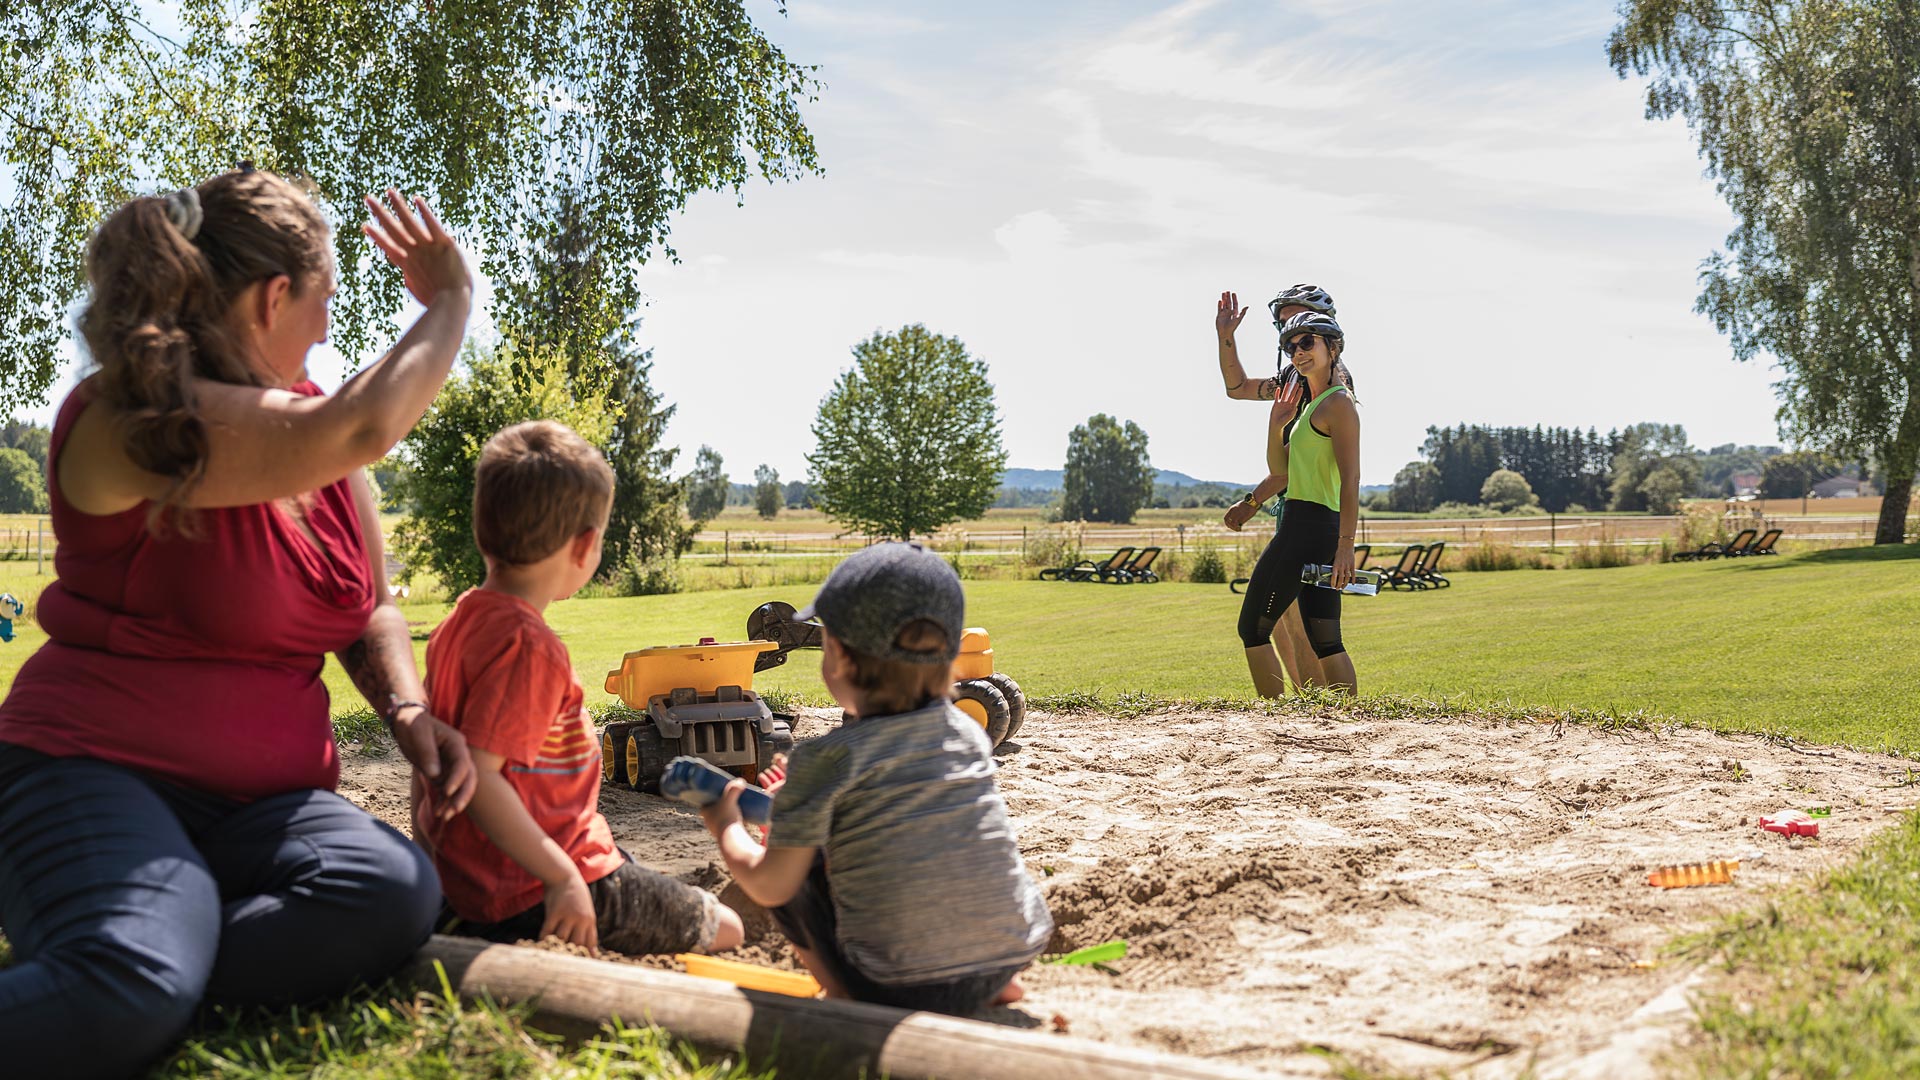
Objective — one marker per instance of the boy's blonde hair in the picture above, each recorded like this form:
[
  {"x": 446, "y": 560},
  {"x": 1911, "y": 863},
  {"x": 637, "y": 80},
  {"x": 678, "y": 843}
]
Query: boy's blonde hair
[{"x": 537, "y": 486}]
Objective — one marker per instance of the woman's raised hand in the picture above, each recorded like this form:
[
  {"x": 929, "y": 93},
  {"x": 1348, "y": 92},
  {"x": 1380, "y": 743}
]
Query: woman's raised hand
[
  {"x": 1291, "y": 385},
  {"x": 1227, "y": 315},
  {"x": 427, "y": 257}
]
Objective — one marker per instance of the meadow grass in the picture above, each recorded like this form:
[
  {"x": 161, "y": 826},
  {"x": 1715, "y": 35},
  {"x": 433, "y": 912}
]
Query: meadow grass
[
  {"x": 393, "y": 1033},
  {"x": 1816, "y": 644},
  {"x": 1822, "y": 982}
]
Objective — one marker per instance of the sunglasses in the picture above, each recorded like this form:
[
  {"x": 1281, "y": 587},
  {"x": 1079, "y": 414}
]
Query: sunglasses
[{"x": 1304, "y": 341}]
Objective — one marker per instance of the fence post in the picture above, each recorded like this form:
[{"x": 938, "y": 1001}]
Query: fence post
[
  {"x": 1553, "y": 531},
  {"x": 1182, "y": 530},
  {"x": 40, "y": 549},
  {"x": 726, "y": 547}
]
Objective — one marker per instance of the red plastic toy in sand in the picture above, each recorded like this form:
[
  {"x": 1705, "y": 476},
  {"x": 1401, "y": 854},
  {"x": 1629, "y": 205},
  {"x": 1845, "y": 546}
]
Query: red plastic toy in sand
[{"x": 1790, "y": 823}]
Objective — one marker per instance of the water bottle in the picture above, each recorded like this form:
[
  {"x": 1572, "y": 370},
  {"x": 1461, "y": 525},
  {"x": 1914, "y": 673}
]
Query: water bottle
[{"x": 1364, "y": 583}]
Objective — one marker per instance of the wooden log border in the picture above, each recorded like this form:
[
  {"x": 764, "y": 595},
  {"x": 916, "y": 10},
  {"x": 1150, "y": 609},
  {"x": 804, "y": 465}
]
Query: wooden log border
[{"x": 804, "y": 1039}]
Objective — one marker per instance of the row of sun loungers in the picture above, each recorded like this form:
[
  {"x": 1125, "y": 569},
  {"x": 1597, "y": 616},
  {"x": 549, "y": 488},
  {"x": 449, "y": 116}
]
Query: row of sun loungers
[
  {"x": 1742, "y": 544},
  {"x": 1418, "y": 567},
  {"x": 1124, "y": 567}
]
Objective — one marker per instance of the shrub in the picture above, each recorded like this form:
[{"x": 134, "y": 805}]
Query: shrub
[
  {"x": 647, "y": 577},
  {"x": 1600, "y": 555},
  {"x": 1463, "y": 510},
  {"x": 1487, "y": 555},
  {"x": 1207, "y": 567},
  {"x": 1048, "y": 548},
  {"x": 1700, "y": 523},
  {"x": 1507, "y": 490}
]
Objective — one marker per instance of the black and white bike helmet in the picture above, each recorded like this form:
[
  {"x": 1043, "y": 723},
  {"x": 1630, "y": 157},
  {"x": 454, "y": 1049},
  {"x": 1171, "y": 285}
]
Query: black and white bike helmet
[
  {"x": 1311, "y": 297},
  {"x": 1311, "y": 322}
]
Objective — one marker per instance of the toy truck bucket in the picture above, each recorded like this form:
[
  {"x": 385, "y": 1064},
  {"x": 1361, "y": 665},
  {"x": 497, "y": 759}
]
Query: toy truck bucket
[
  {"x": 976, "y": 655},
  {"x": 703, "y": 668}
]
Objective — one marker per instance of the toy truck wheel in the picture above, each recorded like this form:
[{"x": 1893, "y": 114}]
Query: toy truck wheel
[
  {"x": 647, "y": 756},
  {"x": 1016, "y": 702},
  {"x": 780, "y": 742},
  {"x": 984, "y": 702},
  {"x": 613, "y": 753}
]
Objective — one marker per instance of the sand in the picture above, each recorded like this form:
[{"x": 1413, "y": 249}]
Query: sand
[{"x": 1413, "y": 895}]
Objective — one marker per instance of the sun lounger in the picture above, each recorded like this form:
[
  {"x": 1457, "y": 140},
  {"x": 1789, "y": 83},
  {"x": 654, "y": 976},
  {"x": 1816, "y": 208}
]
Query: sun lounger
[
  {"x": 1764, "y": 545},
  {"x": 1086, "y": 569},
  {"x": 1429, "y": 567},
  {"x": 1401, "y": 574},
  {"x": 1139, "y": 568},
  {"x": 1737, "y": 546}
]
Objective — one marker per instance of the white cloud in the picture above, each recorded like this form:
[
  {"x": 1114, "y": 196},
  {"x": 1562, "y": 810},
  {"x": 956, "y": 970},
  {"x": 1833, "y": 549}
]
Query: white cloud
[{"x": 1067, "y": 189}]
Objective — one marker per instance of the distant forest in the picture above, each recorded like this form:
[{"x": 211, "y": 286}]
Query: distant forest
[{"x": 1641, "y": 467}]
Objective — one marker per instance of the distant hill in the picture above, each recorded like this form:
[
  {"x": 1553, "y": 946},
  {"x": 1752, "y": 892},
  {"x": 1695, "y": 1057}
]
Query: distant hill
[{"x": 1054, "y": 479}]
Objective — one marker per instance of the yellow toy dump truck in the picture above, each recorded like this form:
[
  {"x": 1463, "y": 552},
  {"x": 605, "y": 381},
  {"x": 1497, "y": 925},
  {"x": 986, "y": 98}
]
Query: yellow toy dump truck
[
  {"x": 991, "y": 698},
  {"x": 698, "y": 700}
]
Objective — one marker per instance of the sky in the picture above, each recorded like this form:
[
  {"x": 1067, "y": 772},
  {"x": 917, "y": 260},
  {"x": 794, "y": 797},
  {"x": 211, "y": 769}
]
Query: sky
[{"x": 1067, "y": 187}]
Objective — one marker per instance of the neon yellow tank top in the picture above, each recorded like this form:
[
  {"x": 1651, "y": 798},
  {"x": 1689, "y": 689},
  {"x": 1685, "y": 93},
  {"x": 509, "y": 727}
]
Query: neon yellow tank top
[{"x": 1312, "y": 474}]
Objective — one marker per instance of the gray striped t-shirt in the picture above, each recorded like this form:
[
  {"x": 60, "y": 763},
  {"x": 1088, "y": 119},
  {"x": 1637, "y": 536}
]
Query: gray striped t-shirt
[{"x": 928, "y": 884}]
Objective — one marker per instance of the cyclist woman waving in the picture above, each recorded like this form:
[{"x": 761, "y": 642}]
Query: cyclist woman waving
[{"x": 1318, "y": 465}]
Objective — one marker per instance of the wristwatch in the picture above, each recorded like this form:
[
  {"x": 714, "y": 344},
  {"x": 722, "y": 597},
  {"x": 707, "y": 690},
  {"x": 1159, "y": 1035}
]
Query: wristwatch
[{"x": 1249, "y": 499}]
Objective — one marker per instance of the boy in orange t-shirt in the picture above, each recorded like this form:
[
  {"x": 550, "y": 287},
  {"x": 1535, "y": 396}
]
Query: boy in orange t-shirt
[{"x": 532, "y": 857}]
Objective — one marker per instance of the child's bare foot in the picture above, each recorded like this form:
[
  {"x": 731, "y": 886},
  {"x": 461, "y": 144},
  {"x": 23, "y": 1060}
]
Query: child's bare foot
[{"x": 1011, "y": 993}]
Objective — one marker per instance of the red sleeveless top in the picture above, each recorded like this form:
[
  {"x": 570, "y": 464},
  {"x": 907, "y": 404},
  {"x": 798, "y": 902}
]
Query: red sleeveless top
[{"x": 195, "y": 660}]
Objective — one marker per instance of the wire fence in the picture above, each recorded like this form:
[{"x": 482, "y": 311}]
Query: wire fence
[
  {"x": 1547, "y": 532},
  {"x": 27, "y": 539}
]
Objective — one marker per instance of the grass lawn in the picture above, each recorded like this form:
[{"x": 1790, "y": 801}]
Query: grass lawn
[
  {"x": 1817, "y": 644},
  {"x": 1823, "y": 982}
]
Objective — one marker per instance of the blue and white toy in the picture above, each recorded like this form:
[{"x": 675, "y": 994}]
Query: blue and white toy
[
  {"x": 698, "y": 782},
  {"x": 10, "y": 609}
]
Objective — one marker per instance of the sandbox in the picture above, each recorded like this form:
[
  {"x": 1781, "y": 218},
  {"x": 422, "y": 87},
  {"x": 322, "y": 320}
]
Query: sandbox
[{"x": 1461, "y": 894}]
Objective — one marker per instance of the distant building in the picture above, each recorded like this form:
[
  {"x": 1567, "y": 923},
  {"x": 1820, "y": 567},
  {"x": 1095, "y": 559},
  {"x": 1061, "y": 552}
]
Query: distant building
[
  {"x": 1838, "y": 487},
  {"x": 1746, "y": 485}
]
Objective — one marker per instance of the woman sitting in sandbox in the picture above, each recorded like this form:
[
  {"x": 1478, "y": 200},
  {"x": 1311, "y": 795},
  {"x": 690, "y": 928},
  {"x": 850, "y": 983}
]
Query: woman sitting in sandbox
[{"x": 168, "y": 827}]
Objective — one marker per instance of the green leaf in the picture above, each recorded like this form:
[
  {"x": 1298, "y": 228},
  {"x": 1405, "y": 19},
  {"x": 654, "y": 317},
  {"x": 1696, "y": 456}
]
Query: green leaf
[{"x": 1104, "y": 953}]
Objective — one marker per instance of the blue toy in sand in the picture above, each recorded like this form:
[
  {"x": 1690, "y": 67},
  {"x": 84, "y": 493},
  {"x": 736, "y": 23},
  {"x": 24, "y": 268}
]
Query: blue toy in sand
[
  {"x": 10, "y": 609},
  {"x": 698, "y": 782}
]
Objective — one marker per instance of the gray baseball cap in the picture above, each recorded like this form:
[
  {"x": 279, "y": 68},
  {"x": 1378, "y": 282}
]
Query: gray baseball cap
[{"x": 878, "y": 590}]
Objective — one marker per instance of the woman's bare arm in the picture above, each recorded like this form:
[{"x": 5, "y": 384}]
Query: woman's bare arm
[
  {"x": 1343, "y": 425},
  {"x": 265, "y": 443},
  {"x": 381, "y": 665}
]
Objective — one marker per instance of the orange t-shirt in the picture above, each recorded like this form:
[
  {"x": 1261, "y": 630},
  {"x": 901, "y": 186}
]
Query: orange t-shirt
[{"x": 502, "y": 678}]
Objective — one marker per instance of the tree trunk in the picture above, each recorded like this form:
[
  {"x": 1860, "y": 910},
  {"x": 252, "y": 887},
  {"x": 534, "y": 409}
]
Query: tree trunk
[
  {"x": 1898, "y": 460},
  {"x": 1892, "y": 528}
]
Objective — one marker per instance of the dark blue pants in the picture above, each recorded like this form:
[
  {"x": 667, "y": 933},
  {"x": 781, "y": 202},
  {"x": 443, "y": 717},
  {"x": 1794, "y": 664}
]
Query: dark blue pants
[{"x": 128, "y": 901}]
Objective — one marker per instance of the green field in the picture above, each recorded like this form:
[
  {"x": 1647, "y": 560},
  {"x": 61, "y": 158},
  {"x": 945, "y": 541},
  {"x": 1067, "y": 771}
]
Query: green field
[
  {"x": 1816, "y": 643},
  {"x": 1822, "y": 982}
]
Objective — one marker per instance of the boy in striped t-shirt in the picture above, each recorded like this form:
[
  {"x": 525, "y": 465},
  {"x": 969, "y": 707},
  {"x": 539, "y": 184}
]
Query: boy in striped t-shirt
[{"x": 532, "y": 857}]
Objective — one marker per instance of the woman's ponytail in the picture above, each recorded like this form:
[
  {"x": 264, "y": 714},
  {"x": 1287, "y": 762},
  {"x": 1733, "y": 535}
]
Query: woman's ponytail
[
  {"x": 164, "y": 272},
  {"x": 151, "y": 291}
]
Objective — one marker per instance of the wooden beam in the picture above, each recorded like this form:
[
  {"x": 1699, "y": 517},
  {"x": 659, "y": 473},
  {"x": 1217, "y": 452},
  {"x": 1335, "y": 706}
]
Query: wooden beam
[{"x": 804, "y": 1039}]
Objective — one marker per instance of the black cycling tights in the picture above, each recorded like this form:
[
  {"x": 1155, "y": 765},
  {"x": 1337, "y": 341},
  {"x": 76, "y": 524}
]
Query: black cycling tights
[{"x": 1308, "y": 533}]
